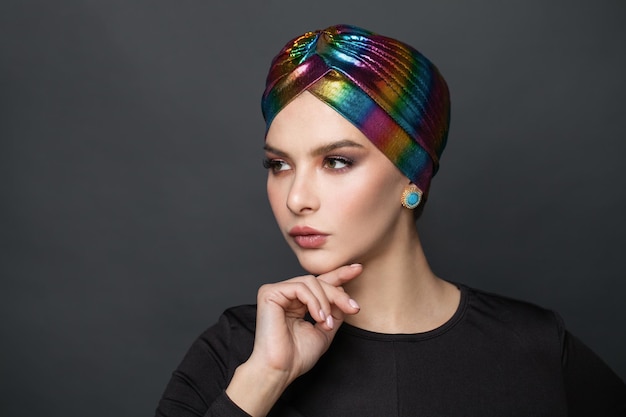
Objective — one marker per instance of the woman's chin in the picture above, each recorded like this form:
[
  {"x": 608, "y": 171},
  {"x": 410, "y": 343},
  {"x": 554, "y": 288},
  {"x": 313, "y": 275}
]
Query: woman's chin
[{"x": 317, "y": 265}]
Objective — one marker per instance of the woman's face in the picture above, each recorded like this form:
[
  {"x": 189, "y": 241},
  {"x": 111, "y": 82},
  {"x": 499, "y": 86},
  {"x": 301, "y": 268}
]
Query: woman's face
[{"x": 335, "y": 196}]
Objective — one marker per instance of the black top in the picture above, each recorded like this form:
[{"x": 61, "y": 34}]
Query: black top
[{"x": 495, "y": 357}]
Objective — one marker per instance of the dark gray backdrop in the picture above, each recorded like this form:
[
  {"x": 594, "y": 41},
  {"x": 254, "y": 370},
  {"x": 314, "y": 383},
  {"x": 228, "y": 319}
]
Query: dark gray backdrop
[{"x": 133, "y": 203}]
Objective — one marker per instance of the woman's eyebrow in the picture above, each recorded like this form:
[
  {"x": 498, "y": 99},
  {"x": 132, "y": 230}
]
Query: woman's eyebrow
[
  {"x": 321, "y": 150},
  {"x": 268, "y": 148},
  {"x": 324, "y": 149}
]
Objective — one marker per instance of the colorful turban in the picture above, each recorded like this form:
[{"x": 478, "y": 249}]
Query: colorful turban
[{"x": 387, "y": 89}]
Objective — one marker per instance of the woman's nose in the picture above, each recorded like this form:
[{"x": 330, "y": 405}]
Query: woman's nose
[{"x": 303, "y": 197}]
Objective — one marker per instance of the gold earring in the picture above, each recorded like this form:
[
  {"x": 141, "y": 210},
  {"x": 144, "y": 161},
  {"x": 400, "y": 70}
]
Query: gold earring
[{"x": 411, "y": 197}]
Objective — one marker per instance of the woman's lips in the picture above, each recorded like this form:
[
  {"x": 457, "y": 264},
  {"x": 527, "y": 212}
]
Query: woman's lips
[{"x": 307, "y": 237}]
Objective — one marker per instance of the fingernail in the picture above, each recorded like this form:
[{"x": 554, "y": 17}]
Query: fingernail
[
  {"x": 322, "y": 315},
  {"x": 354, "y": 304},
  {"x": 330, "y": 322},
  {"x": 355, "y": 265}
]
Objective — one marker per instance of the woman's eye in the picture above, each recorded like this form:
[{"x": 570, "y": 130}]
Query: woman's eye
[
  {"x": 337, "y": 163},
  {"x": 276, "y": 165}
]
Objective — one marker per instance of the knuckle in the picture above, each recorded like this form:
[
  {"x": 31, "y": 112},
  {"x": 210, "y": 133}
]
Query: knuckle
[
  {"x": 311, "y": 280},
  {"x": 268, "y": 292},
  {"x": 262, "y": 289},
  {"x": 303, "y": 277},
  {"x": 264, "y": 293},
  {"x": 300, "y": 285}
]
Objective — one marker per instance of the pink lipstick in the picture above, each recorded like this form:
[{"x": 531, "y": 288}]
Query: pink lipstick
[{"x": 307, "y": 237}]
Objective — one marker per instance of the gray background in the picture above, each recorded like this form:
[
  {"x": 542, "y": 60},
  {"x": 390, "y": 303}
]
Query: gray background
[{"x": 133, "y": 202}]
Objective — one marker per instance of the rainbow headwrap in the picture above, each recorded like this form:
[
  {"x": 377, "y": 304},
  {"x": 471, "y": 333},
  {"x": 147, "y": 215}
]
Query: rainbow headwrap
[{"x": 387, "y": 89}]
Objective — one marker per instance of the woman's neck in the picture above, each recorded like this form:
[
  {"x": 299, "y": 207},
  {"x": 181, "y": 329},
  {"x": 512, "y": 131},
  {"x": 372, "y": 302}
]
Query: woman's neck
[{"x": 399, "y": 293}]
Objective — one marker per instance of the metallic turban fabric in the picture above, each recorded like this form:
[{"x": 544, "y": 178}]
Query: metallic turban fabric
[{"x": 387, "y": 89}]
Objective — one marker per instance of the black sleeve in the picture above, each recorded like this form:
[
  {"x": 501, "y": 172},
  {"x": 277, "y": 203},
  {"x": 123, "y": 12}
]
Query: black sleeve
[
  {"x": 197, "y": 386},
  {"x": 593, "y": 389}
]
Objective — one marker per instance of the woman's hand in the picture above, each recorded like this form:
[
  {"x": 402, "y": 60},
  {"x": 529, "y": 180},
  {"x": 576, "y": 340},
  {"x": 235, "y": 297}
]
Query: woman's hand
[
  {"x": 286, "y": 345},
  {"x": 284, "y": 341}
]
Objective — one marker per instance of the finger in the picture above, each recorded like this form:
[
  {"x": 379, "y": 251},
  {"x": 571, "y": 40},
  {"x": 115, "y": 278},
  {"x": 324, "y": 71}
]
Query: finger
[
  {"x": 338, "y": 316},
  {"x": 340, "y": 300},
  {"x": 329, "y": 333},
  {"x": 296, "y": 297},
  {"x": 315, "y": 286},
  {"x": 341, "y": 275},
  {"x": 333, "y": 301}
]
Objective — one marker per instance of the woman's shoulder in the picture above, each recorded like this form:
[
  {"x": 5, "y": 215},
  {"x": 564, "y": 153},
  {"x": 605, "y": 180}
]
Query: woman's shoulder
[
  {"x": 228, "y": 341},
  {"x": 242, "y": 315},
  {"x": 233, "y": 330},
  {"x": 234, "y": 322},
  {"x": 512, "y": 313}
]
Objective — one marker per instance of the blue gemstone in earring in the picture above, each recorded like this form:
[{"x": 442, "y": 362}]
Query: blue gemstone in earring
[{"x": 411, "y": 197}]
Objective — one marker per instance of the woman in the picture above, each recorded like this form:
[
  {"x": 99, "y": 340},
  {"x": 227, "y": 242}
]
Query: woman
[{"x": 356, "y": 125}]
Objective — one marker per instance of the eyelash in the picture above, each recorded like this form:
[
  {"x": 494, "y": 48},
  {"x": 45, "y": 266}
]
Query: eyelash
[
  {"x": 276, "y": 164},
  {"x": 272, "y": 164},
  {"x": 346, "y": 161}
]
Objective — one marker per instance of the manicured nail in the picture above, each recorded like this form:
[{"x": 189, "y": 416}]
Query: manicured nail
[
  {"x": 330, "y": 322},
  {"x": 355, "y": 265},
  {"x": 354, "y": 304},
  {"x": 322, "y": 315}
]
